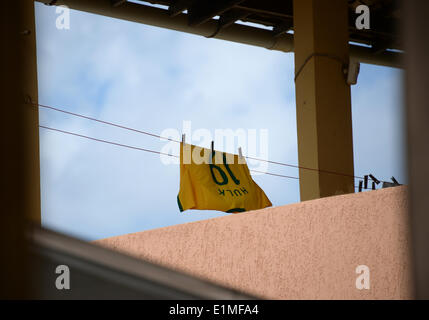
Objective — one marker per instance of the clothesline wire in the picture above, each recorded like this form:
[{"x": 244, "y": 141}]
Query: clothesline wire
[
  {"x": 147, "y": 150},
  {"x": 177, "y": 141},
  {"x": 140, "y": 149},
  {"x": 107, "y": 141}
]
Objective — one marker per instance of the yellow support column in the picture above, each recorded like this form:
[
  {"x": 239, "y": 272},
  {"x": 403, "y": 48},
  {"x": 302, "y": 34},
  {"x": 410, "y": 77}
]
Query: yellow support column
[{"x": 323, "y": 101}]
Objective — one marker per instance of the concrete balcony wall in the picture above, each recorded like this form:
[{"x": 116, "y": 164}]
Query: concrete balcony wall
[{"x": 307, "y": 250}]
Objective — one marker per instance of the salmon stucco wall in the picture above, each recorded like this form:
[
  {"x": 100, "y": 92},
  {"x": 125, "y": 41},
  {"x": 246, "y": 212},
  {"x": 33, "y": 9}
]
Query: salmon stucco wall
[{"x": 307, "y": 250}]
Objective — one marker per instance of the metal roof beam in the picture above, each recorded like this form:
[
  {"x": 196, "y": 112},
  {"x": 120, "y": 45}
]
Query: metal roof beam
[
  {"x": 230, "y": 17},
  {"x": 235, "y": 32},
  {"x": 203, "y": 11},
  {"x": 282, "y": 27},
  {"x": 268, "y": 7},
  {"x": 117, "y": 3},
  {"x": 178, "y": 6}
]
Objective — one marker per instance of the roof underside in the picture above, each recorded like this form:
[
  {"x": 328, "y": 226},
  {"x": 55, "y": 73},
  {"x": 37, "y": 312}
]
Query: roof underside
[{"x": 278, "y": 16}]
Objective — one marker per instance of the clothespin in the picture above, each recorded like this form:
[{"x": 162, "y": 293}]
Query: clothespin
[
  {"x": 183, "y": 138},
  {"x": 395, "y": 181},
  {"x": 373, "y": 185},
  {"x": 374, "y": 179},
  {"x": 391, "y": 184},
  {"x": 365, "y": 182},
  {"x": 212, "y": 153},
  {"x": 360, "y": 185},
  {"x": 240, "y": 156}
]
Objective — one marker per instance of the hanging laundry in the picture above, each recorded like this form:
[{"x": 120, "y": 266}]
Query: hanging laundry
[{"x": 217, "y": 181}]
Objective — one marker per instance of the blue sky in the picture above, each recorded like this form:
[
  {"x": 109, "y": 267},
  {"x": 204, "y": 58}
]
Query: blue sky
[{"x": 153, "y": 79}]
